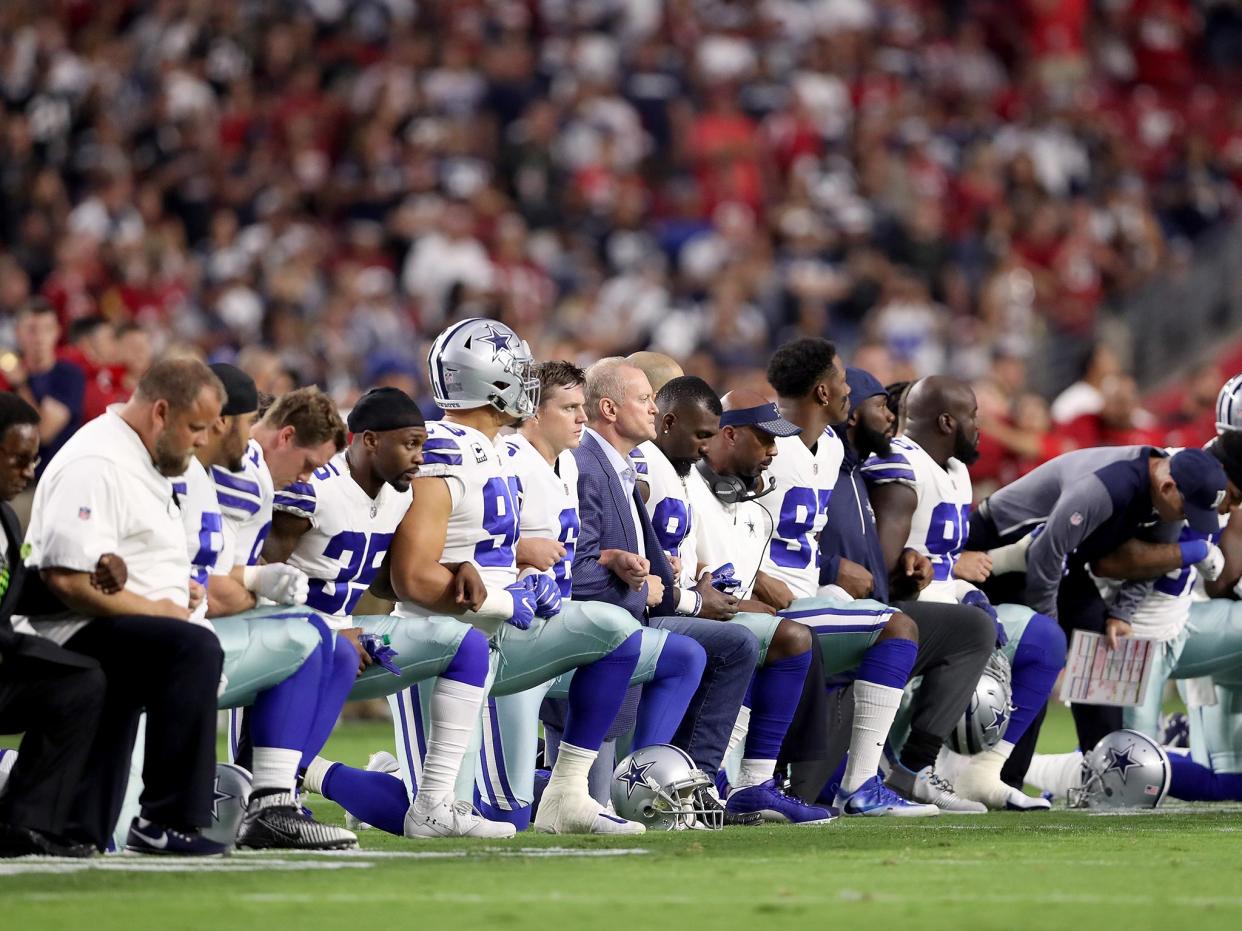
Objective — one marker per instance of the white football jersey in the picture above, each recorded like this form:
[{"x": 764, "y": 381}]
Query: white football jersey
[
  {"x": 728, "y": 533},
  {"x": 349, "y": 534},
  {"x": 549, "y": 500},
  {"x": 483, "y": 525},
  {"x": 246, "y": 502},
  {"x": 204, "y": 525},
  {"x": 939, "y": 524},
  {"x": 799, "y": 508},
  {"x": 668, "y": 506}
]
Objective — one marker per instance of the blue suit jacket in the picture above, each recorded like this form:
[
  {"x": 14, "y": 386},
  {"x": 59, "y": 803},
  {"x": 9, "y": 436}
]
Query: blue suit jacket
[{"x": 607, "y": 525}]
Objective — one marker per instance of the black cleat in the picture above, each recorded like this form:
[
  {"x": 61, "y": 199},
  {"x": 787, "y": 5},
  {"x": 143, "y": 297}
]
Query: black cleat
[
  {"x": 273, "y": 821},
  {"x": 25, "y": 842}
]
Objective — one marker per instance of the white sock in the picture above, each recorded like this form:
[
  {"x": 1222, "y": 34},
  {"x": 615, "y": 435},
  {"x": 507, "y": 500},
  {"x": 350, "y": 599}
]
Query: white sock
[
  {"x": 312, "y": 780},
  {"x": 275, "y": 768},
  {"x": 875, "y": 706},
  {"x": 572, "y": 766},
  {"x": 741, "y": 727},
  {"x": 754, "y": 772},
  {"x": 987, "y": 766},
  {"x": 454, "y": 713},
  {"x": 1055, "y": 772}
]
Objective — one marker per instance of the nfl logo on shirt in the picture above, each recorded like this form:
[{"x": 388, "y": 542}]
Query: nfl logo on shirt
[{"x": 84, "y": 513}]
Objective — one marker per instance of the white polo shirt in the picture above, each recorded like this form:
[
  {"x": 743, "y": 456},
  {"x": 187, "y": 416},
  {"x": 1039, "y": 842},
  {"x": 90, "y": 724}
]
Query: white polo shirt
[{"x": 102, "y": 494}]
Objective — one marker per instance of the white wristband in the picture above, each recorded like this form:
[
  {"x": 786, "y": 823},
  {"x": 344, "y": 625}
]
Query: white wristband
[
  {"x": 498, "y": 604},
  {"x": 689, "y": 602},
  {"x": 250, "y": 575}
]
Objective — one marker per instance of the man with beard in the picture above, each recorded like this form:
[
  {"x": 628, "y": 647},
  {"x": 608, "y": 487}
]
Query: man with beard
[
  {"x": 688, "y": 420},
  {"x": 954, "y": 642},
  {"x": 109, "y": 489},
  {"x": 921, "y": 493}
]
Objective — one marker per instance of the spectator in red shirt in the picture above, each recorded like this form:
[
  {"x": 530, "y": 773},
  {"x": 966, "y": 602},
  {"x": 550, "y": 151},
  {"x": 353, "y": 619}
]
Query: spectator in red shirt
[
  {"x": 1194, "y": 423},
  {"x": 1119, "y": 422},
  {"x": 92, "y": 347},
  {"x": 724, "y": 152}
]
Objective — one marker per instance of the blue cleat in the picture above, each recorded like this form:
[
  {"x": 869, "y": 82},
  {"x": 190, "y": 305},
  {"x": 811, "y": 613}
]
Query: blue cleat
[
  {"x": 150, "y": 838},
  {"x": 874, "y": 799},
  {"x": 773, "y": 805}
]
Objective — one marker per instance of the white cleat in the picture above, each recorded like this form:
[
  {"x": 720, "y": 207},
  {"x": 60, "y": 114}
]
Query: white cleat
[
  {"x": 381, "y": 761},
  {"x": 997, "y": 795},
  {"x": 562, "y": 811},
  {"x": 928, "y": 787},
  {"x": 447, "y": 818}
]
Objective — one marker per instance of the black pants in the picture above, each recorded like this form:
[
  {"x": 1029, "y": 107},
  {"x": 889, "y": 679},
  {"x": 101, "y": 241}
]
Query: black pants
[
  {"x": 57, "y": 706},
  {"x": 955, "y": 642},
  {"x": 171, "y": 670}
]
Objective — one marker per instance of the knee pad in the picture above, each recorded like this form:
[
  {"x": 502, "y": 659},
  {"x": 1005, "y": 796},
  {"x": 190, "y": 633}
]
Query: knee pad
[
  {"x": 612, "y": 624},
  {"x": 291, "y": 636}
]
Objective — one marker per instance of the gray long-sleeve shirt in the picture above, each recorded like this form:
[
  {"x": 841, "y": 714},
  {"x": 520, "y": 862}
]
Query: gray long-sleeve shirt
[{"x": 1089, "y": 502}]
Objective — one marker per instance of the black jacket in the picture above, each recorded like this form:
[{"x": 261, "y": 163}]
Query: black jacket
[{"x": 26, "y": 594}]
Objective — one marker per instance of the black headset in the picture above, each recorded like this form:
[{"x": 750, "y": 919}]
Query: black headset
[{"x": 729, "y": 488}]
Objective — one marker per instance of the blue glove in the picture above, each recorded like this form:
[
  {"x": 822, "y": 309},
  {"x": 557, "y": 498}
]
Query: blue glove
[
  {"x": 380, "y": 652},
  {"x": 547, "y": 594},
  {"x": 976, "y": 599},
  {"x": 524, "y": 604},
  {"x": 1194, "y": 551},
  {"x": 724, "y": 580}
]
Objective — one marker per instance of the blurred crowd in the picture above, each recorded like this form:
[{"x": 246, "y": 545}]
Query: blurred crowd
[{"x": 315, "y": 187}]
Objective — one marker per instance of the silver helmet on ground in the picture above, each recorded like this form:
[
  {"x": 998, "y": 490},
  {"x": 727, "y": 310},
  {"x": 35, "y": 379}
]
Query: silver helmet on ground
[
  {"x": 986, "y": 718},
  {"x": 661, "y": 788},
  {"x": 228, "y": 804},
  {"x": 1125, "y": 769},
  {"x": 479, "y": 362}
]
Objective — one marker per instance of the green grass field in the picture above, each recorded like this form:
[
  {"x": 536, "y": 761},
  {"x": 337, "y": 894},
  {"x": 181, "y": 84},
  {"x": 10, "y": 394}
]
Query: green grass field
[{"x": 1176, "y": 868}]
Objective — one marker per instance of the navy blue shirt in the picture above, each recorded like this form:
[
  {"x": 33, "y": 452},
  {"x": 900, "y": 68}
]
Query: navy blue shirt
[
  {"x": 65, "y": 383},
  {"x": 850, "y": 533}
]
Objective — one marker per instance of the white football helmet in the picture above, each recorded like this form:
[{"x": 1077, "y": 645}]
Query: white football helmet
[
  {"x": 1126, "y": 769},
  {"x": 661, "y": 788},
  {"x": 986, "y": 718},
  {"x": 228, "y": 804},
  {"x": 1229, "y": 406},
  {"x": 479, "y": 362}
]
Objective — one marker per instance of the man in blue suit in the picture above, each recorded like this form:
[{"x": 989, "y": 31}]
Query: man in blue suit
[{"x": 619, "y": 560}]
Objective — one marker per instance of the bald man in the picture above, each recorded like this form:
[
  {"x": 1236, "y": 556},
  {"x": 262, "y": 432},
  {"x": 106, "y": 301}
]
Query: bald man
[
  {"x": 659, "y": 368},
  {"x": 921, "y": 493}
]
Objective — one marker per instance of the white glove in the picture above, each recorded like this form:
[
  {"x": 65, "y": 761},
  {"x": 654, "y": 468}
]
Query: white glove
[
  {"x": 1212, "y": 565},
  {"x": 277, "y": 582}
]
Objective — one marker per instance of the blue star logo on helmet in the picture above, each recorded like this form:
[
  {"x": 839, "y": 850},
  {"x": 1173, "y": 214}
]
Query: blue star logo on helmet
[
  {"x": 497, "y": 339},
  {"x": 999, "y": 717},
  {"x": 635, "y": 776},
  {"x": 1121, "y": 760},
  {"x": 219, "y": 796}
]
